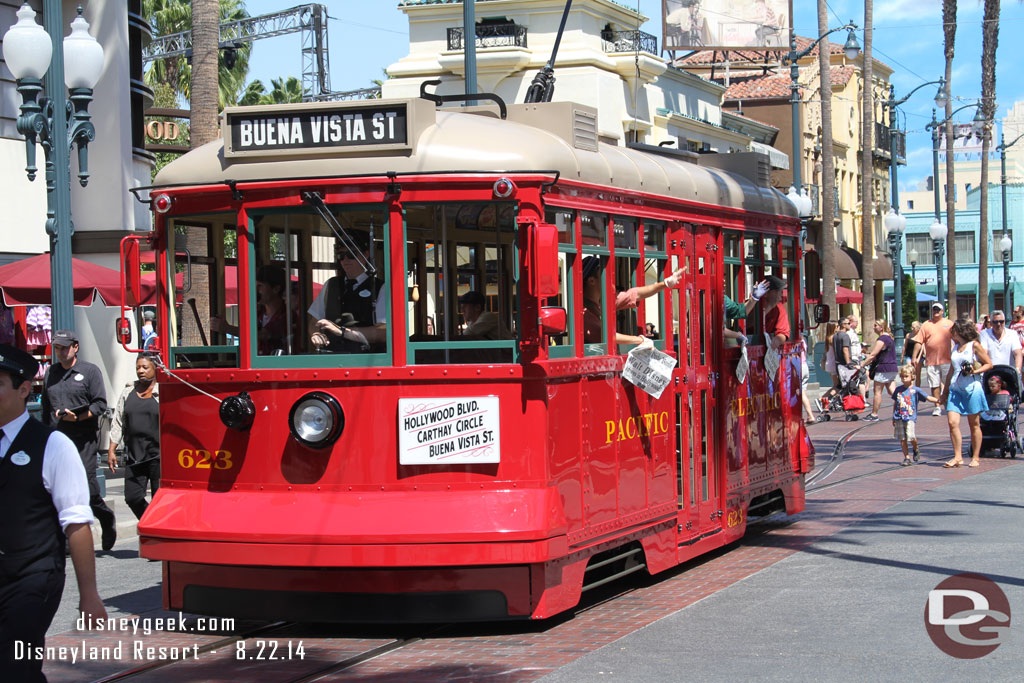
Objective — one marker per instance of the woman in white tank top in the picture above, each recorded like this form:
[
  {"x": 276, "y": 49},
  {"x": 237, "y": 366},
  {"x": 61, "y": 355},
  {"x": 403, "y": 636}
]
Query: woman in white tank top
[{"x": 963, "y": 392}]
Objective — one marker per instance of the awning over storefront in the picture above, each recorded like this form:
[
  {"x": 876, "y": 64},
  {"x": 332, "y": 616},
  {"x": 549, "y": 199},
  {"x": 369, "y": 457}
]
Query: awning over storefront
[
  {"x": 844, "y": 295},
  {"x": 846, "y": 268},
  {"x": 882, "y": 267}
]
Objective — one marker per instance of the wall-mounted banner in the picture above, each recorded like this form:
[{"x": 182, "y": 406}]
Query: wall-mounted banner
[
  {"x": 448, "y": 431},
  {"x": 750, "y": 24}
]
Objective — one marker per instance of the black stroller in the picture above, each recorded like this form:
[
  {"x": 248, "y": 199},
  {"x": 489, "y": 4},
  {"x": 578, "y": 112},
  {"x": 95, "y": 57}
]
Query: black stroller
[
  {"x": 999, "y": 422},
  {"x": 846, "y": 398}
]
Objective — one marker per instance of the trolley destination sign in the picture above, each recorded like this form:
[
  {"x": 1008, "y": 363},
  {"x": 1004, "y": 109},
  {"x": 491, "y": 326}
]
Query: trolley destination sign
[
  {"x": 448, "y": 431},
  {"x": 316, "y": 128}
]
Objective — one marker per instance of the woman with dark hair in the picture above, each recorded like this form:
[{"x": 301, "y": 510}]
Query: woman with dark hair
[
  {"x": 882, "y": 363},
  {"x": 137, "y": 427},
  {"x": 964, "y": 393},
  {"x": 271, "y": 315}
]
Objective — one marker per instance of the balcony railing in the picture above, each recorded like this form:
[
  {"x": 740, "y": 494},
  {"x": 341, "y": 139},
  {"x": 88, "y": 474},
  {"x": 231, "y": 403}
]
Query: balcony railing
[
  {"x": 884, "y": 141},
  {"x": 629, "y": 41},
  {"x": 499, "y": 35}
]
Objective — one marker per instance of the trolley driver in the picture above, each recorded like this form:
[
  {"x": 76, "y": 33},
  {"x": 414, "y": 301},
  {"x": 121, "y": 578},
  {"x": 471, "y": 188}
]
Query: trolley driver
[{"x": 349, "y": 315}]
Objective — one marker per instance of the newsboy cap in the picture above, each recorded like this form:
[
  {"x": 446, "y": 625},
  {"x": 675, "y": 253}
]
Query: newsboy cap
[{"x": 17, "y": 361}]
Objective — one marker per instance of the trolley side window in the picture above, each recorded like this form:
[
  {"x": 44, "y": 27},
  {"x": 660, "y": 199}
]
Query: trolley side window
[
  {"x": 763, "y": 256},
  {"x": 461, "y": 284},
  {"x": 628, "y": 276},
  {"x": 561, "y": 346},
  {"x": 734, "y": 282},
  {"x": 593, "y": 300},
  {"x": 204, "y": 273},
  {"x": 320, "y": 288},
  {"x": 655, "y": 265}
]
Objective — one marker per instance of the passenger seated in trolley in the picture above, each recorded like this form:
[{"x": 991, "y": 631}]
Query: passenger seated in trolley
[
  {"x": 353, "y": 292},
  {"x": 480, "y": 324},
  {"x": 592, "y": 314},
  {"x": 271, "y": 316}
]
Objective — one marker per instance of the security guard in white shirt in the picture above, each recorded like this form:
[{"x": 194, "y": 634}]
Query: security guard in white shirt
[{"x": 44, "y": 501}]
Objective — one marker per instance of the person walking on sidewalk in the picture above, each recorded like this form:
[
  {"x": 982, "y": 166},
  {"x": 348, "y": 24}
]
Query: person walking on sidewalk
[
  {"x": 964, "y": 394},
  {"x": 881, "y": 362},
  {"x": 904, "y": 412},
  {"x": 934, "y": 339},
  {"x": 44, "y": 504},
  {"x": 73, "y": 399},
  {"x": 136, "y": 426}
]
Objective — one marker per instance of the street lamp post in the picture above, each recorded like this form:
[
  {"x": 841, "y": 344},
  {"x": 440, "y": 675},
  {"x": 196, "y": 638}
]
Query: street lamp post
[
  {"x": 851, "y": 48},
  {"x": 937, "y": 230},
  {"x": 1006, "y": 245},
  {"x": 895, "y": 224},
  {"x": 32, "y": 53},
  {"x": 797, "y": 193},
  {"x": 1006, "y": 233}
]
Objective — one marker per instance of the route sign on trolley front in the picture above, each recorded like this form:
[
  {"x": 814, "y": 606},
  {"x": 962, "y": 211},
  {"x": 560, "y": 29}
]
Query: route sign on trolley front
[
  {"x": 446, "y": 431},
  {"x": 322, "y": 128}
]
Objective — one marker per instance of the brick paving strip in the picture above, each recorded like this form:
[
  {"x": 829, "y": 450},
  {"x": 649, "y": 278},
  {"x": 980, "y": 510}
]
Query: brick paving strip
[{"x": 526, "y": 651}]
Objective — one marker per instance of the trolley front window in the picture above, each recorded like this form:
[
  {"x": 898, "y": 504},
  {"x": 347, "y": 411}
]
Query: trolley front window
[{"x": 461, "y": 285}]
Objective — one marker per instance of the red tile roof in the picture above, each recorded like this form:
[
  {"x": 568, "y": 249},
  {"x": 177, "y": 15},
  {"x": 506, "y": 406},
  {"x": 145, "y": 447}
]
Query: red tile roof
[{"x": 748, "y": 85}]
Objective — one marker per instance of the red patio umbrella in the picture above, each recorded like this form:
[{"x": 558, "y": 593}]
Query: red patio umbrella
[
  {"x": 844, "y": 295},
  {"x": 27, "y": 282}
]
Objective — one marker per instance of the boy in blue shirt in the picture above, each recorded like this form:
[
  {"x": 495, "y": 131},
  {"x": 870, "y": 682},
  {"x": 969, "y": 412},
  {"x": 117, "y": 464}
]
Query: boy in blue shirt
[{"x": 904, "y": 412}]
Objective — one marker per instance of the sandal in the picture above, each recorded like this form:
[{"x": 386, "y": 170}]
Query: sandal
[
  {"x": 906, "y": 462},
  {"x": 974, "y": 463},
  {"x": 950, "y": 465}
]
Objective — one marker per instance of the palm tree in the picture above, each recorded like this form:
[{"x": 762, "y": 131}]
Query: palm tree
[
  {"x": 173, "y": 16},
  {"x": 949, "y": 31},
  {"x": 989, "y": 42},
  {"x": 867, "y": 168},
  {"x": 284, "y": 90},
  {"x": 828, "y": 173},
  {"x": 205, "y": 77}
]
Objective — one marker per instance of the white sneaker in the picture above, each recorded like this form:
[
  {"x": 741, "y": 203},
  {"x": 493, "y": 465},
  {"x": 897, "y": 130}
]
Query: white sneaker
[{"x": 937, "y": 412}]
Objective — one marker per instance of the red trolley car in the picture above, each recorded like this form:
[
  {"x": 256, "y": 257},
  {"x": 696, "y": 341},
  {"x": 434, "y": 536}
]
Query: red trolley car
[{"x": 426, "y": 472}]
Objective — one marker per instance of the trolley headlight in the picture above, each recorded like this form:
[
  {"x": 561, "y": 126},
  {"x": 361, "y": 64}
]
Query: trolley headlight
[{"x": 316, "y": 420}]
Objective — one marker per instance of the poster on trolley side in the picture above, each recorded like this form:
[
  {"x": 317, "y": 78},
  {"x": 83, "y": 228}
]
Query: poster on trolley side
[{"x": 448, "y": 431}]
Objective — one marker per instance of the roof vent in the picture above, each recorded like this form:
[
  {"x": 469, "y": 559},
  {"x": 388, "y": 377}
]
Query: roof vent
[
  {"x": 574, "y": 123},
  {"x": 754, "y": 166}
]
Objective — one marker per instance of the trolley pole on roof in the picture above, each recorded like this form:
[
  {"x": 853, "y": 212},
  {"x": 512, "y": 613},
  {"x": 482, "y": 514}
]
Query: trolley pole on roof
[{"x": 469, "y": 46}]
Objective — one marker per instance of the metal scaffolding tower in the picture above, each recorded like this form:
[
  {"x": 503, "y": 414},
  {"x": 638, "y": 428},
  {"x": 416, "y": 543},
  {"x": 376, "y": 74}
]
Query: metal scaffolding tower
[{"x": 310, "y": 20}]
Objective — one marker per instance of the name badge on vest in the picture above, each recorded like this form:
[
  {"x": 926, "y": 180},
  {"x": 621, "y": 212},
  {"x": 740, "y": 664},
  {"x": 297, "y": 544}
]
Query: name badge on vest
[
  {"x": 365, "y": 293},
  {"x": 79, "y": 377},
  {"x": 20, "y": 458}
]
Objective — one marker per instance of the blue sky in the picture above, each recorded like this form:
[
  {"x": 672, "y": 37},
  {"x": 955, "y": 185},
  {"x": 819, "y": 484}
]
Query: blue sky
[{"x": 366, "y": 36}]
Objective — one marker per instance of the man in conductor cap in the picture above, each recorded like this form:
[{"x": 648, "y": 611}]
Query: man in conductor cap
[
  {"x": 73, "y": 400},
  {"x": 44, "y": 502}
]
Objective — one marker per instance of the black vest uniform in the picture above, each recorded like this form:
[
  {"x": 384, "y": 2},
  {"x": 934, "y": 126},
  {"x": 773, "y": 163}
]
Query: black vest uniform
[
  {"x": 360, "y": 301},
  {"x": 31, "y": 554}
]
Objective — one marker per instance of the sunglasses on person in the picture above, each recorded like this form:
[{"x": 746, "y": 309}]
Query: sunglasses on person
[
  {"x": 345, "y": 256},
  {"x": 999, "y": 322}
]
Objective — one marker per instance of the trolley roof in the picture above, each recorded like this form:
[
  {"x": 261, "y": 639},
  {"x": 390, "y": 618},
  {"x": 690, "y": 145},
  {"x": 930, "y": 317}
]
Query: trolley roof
[{"x": 554, "y": 136}]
